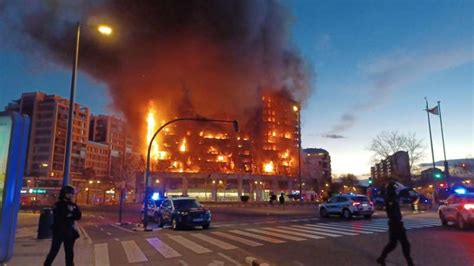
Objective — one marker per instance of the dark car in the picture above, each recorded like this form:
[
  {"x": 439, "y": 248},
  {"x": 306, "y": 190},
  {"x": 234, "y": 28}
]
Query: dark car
[{"x": 183, "y": 212}]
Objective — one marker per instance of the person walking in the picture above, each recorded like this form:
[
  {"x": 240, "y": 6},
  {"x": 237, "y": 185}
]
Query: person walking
[
  {"x": 396, "y": 229},
  {"x": 65, "y": 213},
  {"x": 282, "y": 198}
]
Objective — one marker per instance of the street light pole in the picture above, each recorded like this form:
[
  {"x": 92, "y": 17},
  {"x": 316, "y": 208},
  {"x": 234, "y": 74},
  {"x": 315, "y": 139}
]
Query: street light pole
[
  {"x": 67, "y": 159},
  {"x": 150, "y": 144},
  {"x": 298, "y": 113}
]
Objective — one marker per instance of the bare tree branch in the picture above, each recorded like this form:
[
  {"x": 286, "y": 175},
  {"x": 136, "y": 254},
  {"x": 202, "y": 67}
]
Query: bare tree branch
[{"x": 388, "y": 142}]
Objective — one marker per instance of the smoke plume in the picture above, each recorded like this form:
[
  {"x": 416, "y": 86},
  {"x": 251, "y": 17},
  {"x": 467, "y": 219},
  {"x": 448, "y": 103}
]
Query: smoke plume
[{"x": 213, "y": 54}]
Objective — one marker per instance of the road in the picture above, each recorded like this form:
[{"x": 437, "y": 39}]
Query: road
[{"x": 273, "y": 235}]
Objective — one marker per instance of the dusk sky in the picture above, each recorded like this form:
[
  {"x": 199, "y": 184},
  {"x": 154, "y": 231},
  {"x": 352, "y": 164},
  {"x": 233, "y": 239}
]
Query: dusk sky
[{"x": 375, "y": 61}]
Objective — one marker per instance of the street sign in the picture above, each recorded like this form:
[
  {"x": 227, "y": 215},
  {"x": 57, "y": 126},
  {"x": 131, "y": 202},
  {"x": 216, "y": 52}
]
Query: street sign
[{"x": 14, "y": 130}]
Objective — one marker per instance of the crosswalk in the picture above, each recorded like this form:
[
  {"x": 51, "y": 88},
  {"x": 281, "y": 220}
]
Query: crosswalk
[{"x": 169, "y": 246}]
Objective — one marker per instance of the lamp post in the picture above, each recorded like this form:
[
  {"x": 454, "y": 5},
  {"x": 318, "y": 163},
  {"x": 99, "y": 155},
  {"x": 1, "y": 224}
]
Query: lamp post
[
  {"x": 103, "y": 29},
  {"x": 298, "y": 113},
  {"x": 150, "y": 144}
]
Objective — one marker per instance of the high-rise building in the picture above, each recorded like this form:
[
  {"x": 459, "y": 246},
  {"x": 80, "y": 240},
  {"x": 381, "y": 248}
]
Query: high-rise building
[
  {"x": 317, "y": 166},
  {"x": 111, "y": 131},
  {"x": 47, "y": 144}
]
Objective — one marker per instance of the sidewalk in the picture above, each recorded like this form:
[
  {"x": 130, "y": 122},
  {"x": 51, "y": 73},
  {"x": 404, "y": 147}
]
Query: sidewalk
[{"x": 30, "y": 251}]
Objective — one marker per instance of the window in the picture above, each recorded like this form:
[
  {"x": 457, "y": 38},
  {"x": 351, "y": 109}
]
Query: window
[{"x": 342, "y": 199}]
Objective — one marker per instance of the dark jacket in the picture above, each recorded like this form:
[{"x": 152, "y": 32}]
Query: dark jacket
[
  {"x": 392, "y": 208},
  {"x": 65, "y": 213}
]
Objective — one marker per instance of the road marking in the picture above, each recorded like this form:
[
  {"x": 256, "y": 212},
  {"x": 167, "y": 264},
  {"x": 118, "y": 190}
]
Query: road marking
[
  {"x": 277, "y": 235},
  {"x": 133, "y": 252},
  {"x": 307, "y": 235},
  {"x": 121, "y": 228},
  {"x": 190, "y": 244},
  {"x": 326, "y": 230},
  {"x": 259, "y": 237},
  {"x": 348, "y": 226},
  {"x": 238, "y": 239},
  {"x": 310, "y": 230},
  {"x": 342, "y": 229},
  {"x": 183, "y": 263},
  {"x": 214, "y": 241},
  {"x": 116, "y": 239},
  {"x": 101, "y": 254},
  {"x": 108, "y": 233},
  {"x": 89, "y": 240},
  {"x": 162, "y": 248},
  {"x": 229, "y": 259}
]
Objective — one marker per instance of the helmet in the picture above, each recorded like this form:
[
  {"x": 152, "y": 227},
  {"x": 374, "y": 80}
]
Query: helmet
[{"x": 66, "y": 190}]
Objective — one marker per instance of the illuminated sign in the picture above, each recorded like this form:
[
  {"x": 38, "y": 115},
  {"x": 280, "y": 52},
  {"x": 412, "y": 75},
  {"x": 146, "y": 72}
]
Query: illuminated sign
[
  {"x": 34, "y": 191},
  {"x": 110, "y": 192}
]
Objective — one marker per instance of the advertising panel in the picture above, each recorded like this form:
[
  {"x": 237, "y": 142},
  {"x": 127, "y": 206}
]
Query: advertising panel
[{"x": 5, "y": 131}]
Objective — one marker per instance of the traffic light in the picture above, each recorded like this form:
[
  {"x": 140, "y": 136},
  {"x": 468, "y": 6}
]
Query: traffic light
[
  {"x": 370, "y": 181},
  {"x": 437, "y": 174}
]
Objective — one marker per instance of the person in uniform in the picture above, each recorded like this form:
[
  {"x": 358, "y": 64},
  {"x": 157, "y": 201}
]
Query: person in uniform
[
  {"x": 65, "y": 213},
  {"x": 396, "y": 229}
]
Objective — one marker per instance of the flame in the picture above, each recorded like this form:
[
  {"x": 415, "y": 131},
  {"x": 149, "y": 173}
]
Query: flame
[
  {"x": 268, "y": 167},
  {"x": 151, "y": 129},
  {"x": 182, "y": 148},
  {"x": 220, "y": 158}
]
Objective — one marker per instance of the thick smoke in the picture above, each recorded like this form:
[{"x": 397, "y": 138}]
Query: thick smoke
[{"x": 217, "y": 55}]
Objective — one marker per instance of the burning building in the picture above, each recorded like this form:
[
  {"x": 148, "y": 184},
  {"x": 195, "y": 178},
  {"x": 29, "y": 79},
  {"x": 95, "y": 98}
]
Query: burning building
[{"x": 197, "y": 159}]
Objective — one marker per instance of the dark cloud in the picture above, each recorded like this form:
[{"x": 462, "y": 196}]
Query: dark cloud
[{"x": 333, "y": 136}]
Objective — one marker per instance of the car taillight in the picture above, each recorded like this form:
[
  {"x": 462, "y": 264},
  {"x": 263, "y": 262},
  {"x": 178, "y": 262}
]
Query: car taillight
[
  {"x": 469, "y": 206},
  {"x": 355, "y": 203},
  {"x": 371, "y": 203}
]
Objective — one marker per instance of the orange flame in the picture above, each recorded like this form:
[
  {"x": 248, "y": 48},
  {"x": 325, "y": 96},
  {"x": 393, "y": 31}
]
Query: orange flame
[
  {"x": 268, "y": 167},
  {"x": 151, "y": 129},
  {"x": 182, "y": 148}
]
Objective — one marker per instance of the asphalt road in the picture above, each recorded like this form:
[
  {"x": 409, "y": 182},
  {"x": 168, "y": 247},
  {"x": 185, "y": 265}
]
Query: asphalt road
[{"x": 273, "y": 235}]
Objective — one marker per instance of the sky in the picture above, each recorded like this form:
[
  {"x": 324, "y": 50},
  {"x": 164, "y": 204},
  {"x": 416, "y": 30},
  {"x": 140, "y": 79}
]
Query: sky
[{"x": 374, "y": 63}]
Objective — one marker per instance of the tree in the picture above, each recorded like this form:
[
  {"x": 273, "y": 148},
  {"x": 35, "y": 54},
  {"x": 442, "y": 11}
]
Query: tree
[
  {"x": 349, "y": 180},
  {"x": 387, "y": 143}
]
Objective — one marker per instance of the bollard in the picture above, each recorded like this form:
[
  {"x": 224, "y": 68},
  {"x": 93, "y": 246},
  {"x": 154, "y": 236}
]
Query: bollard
[{"x": 45, "y": 222}]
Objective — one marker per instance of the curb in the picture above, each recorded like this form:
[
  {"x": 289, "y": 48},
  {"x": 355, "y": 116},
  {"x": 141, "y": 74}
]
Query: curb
[{"x": 255, "y": 262}]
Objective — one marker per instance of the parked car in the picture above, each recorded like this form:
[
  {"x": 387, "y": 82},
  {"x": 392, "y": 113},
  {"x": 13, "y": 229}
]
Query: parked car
[
  {"x": 347, "y": 205},
  {"x": 153, "y": 210},
  {"x": 458, "y": 208},
  {"x": 183, "y": 212}
]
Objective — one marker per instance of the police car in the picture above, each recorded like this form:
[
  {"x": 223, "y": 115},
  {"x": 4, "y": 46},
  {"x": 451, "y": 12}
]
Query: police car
[
  {"x": 347, "y": 205},
  {"x": 458, "y": 208}
]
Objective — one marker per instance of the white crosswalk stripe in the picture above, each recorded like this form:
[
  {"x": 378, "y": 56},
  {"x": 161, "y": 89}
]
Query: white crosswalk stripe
[
  {"x": 190, "y": 244},
  {"x": 214, "y": 241},
  {"x": 348, "y": 226},
  {"x": 101, "y": 254},
  {"x": 307, "y": 235},
  {"x": 133, "y": 252},
  {"x": 284, "y": 236},
  {"x": 165, "y": 250},
  {"x": 238, "y": 239},
  {"x": 358, "y": 231},
  {"x": 330, "y": 233},
  {"x": 259, "y": 237}
]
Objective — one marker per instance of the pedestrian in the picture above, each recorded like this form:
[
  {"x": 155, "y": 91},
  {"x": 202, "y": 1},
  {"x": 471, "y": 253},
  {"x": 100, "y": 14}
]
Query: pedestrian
[
  {"x": 396, "y": 229},
  {"x": 282, "y": 198},
  {"x": 65, "y": 213}
]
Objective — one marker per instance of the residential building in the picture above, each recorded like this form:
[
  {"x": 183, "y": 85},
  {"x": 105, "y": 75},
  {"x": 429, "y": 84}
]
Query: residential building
[{"x": 316, "y": 164}]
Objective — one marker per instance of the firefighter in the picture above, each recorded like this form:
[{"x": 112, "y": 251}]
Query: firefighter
[
  {"x": 65, "y": 213},
  {"x": 396, "y": 229}
]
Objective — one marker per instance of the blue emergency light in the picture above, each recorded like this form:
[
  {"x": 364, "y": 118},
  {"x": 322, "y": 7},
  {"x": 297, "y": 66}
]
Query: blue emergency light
[
  {"x": 155, "y": 196},
  {"x": 460, "y": 190}
]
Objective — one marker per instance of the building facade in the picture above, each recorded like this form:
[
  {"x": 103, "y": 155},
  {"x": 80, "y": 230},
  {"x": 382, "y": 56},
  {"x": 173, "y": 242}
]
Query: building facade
[
  {"x": 316, "y": 167},
  {"x": 47, "y": 144},
  {"x": 395, "y": 166}
]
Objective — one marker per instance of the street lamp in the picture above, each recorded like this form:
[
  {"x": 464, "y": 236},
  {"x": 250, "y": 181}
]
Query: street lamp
[
  {"x": 67, "y": 160},
  {"x": 297, "y": 110},
  {"x": 235, "y": 124}
]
